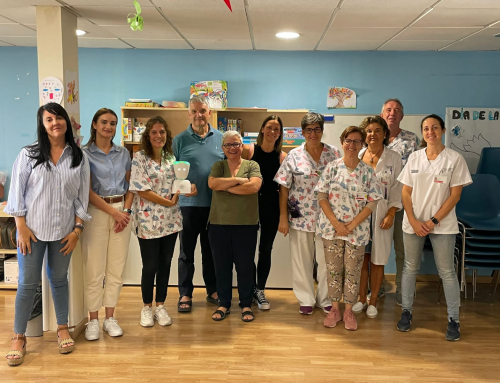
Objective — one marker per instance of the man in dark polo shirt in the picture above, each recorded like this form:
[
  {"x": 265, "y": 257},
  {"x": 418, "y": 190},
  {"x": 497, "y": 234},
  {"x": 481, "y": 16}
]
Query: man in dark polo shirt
[{"x": 200, "y": 145}]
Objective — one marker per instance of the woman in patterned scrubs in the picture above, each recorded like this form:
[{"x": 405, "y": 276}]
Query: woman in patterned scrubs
[
  {"x": 299, "y": 210},
  {"x": 157, "y": 216},
  {"x": 347, "y": 193}
]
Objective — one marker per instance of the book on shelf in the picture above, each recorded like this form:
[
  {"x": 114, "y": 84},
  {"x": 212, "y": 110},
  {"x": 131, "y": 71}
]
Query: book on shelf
[{"x": 150, "y": 104}]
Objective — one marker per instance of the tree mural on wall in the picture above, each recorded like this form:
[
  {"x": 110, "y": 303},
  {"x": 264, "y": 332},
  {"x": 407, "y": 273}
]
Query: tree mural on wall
[{"x": 340, "y": 94}]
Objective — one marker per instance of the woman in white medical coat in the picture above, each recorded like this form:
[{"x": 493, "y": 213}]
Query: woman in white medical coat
[
  {"x": 433, "y": 179},
  {"x": 387, "y": 165}
]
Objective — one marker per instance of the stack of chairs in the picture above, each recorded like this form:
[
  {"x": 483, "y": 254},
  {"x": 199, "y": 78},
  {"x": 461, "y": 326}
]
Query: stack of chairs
[{"x": 478, "y": 212}]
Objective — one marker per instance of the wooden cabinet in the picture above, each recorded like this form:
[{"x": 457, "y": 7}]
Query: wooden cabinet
[{"x": 178, "y": 119}]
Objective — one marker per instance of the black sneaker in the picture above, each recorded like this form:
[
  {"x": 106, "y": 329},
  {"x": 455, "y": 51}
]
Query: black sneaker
[
  {"x": 404, "y": 323},
  {"x": 260, "y": 298},
  {"x": 453, "y": 332}
]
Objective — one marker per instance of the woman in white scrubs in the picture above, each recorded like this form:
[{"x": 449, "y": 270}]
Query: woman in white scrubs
[
  {"x": 387, "y": 165},
  {"x": 433, "y": 179}
]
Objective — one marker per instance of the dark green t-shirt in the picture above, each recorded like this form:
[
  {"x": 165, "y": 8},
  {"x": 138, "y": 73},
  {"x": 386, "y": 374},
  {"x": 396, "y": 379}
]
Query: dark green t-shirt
[{"x": 234, "y": 209}]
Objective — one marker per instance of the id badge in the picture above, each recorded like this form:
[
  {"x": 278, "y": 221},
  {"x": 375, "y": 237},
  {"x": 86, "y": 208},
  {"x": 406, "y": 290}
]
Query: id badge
[
  {"x": 440, "y": 179},
  {"x": 361, "y": 196}
]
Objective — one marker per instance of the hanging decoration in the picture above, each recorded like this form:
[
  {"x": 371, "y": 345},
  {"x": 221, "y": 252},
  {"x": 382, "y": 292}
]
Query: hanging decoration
[
  {"x": 136, "y": 22},
  {"x": 51, "y": 90},
  {"x": 340, "y": 97},
  {"x": 228, "y": 3}
]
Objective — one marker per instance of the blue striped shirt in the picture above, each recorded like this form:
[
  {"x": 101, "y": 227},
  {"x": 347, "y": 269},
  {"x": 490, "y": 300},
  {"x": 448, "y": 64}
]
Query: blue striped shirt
[
  {"x": 49, "y": 199},
  {"x": 108, "y": 170}
]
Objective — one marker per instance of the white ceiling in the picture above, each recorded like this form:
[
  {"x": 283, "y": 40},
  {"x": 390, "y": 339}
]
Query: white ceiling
[{"x": 324, "y": 25}]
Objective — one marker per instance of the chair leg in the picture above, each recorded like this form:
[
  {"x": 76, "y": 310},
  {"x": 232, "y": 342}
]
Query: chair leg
[
  {"x": 464, "y": 276},
  {"x": 496, "y": 284},
  {"x": 474, "y": 284}
]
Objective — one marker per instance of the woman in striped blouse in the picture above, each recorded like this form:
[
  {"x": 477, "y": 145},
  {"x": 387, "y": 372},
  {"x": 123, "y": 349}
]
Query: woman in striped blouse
[{"x": 48, "y": 197}]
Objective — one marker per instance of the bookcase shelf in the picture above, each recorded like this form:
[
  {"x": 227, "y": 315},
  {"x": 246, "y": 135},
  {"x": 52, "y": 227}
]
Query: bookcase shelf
[{"x": 178, "y": 119}]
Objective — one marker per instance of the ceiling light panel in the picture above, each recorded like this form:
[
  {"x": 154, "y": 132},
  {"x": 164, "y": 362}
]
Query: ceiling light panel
[
  {"x": 309, "y": 18},
  {"x": 435, "y": 33},
  {"x": 469, "y": 4},
  {"x": 402, "y": 45},
  {"x": 207, "y": 20},
  {"x": 454, "y": 18},
  {"x": 23, "y": 15},
  {"x": 377, "y": 13},
  {"x": 16, "y": 30}
]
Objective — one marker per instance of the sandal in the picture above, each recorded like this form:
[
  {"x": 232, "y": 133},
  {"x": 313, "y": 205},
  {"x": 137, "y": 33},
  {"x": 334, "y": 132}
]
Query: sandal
[
  {"x": 214, "y": 301},
  {"x": 66, "y": 345},
  {"x": 184, "y": 309},
  {"x": 221, "y": 313},
  {"x": 19, "y": 354},
  {"x": 245, "y": 313}
]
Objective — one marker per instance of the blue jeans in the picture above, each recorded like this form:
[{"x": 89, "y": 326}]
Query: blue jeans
[
  {"x": 30, "y": 274},
  {"x": 442, "y": 245}
]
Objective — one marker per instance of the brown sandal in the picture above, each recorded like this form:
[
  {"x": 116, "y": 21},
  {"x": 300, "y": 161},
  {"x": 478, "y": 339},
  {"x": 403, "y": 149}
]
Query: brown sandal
[
  {"x": 19, "y": 354},
  {"x": 63, "y": 344}
]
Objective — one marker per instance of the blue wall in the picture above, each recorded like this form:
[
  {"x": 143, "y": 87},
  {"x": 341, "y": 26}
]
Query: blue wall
[{"x": 426, "y": 82}]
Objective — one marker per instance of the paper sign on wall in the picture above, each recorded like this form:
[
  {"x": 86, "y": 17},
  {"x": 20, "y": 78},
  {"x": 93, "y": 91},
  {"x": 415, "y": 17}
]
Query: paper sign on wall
[
  {"x": 469, "y": 130},
  {"x": 51, "y": 90},
  {"x": 340, "y": 97},
  {"x": 72, "y": 95}
]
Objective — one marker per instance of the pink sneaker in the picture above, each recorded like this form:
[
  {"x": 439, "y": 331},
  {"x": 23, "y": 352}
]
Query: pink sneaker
[
  {"x": 332, "y": 318},
  {"x": 350, "y": 320}
]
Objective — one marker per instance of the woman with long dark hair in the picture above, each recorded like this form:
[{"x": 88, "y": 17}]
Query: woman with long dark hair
[
  {"x": 157, "y": 216},
  {"x": 268, "y": 154},
  {"x": 105, "y": 242},
  {"x": 48, "y": 197}
]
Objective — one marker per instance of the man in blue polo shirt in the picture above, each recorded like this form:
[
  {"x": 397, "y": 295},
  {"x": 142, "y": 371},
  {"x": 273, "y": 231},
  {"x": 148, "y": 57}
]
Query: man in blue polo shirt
[{"x": 200, "y": 145}]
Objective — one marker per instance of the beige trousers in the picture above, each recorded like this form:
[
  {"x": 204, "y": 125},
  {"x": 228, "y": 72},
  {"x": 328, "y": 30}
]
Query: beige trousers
[
  {"x": 304, "y": 248},
  {"x": 343, "y": 263},
  {"x": 104, "y": 257}
]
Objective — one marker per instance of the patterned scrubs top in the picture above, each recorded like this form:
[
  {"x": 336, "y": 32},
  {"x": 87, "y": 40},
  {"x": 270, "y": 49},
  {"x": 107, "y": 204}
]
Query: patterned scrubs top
[
  {"x": 405, "y": 143},
  {"x": 348, "y": 194},
  {"x": 299, "y": 173},
  {"x": 152, "y": 220}
]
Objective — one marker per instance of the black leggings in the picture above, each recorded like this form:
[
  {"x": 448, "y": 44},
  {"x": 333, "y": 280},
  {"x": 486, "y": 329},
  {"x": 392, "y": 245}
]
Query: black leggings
[
  {"x": 156, "y": 257},
  {"x": 269, "y": 217}
]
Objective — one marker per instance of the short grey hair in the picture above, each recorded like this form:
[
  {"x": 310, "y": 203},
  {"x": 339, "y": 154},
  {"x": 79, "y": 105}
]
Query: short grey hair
[
  {"x": 231, "y": 133},
  {"x": 395, "y": 100},
  {"x": 312, "y": 118},
  {"x": 199, "y": 98}
]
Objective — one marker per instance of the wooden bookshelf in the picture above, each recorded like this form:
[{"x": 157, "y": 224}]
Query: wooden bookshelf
[{"x": 178, "y": 119}]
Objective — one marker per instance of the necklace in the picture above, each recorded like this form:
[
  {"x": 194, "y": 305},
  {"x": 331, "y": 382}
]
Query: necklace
[{"x": 372, "y": 157}]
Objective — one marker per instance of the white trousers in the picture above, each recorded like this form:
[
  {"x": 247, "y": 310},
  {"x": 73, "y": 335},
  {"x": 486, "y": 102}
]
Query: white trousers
[
  {"x": 303, "y": 248},
  {"x": 104, "y": 257}
]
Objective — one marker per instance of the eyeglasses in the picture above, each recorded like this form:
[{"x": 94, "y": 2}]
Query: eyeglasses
[
  {"x": 233, "y": 145},
  {"x": 348, "y": 141},
  {"x": 310, "y": 130}
]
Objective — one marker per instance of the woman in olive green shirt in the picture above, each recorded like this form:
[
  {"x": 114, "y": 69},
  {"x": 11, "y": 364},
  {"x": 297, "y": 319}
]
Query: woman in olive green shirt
[{"x": 234, "y": 218}]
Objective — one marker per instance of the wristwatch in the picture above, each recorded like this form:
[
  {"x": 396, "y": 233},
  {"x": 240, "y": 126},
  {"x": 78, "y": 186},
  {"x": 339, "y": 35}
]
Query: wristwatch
[
  {"x": 434, "y": 221},
  {"x": 128, "y": 211}
]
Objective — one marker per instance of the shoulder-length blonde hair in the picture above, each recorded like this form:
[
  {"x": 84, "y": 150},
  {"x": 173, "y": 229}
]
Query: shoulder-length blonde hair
[{"x": 146, "y": 143}]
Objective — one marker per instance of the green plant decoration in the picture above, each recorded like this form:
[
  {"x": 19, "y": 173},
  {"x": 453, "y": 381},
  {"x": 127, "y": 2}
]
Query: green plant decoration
[{"x": 136, "y": 22}]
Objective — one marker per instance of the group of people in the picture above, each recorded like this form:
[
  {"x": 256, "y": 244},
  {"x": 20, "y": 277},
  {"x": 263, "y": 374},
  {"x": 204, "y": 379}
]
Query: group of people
[{"x": 342, "y": 214}]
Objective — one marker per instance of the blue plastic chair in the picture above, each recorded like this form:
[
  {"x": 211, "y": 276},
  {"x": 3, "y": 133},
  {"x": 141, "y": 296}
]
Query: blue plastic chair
[{"x": 489, "y": 162}]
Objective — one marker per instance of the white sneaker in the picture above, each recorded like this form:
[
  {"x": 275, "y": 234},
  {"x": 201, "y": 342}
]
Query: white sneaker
[
  {"x": 92, "y": 330},
  {"x": 371, "y": 312},
  {"x": 358, "y": 307},
  {"x": 147, "y": 317},
  {"x": 111, "y": 327},
  {"x": 162, "y": 317}
]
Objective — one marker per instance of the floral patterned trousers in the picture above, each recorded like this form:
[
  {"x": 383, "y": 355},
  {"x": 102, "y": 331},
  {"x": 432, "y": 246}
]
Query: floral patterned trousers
[{"x": 343, "y": 269}]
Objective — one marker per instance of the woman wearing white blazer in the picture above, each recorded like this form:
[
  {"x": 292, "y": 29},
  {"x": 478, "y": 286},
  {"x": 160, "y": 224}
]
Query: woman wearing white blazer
[{"x": 387, "y": 165}]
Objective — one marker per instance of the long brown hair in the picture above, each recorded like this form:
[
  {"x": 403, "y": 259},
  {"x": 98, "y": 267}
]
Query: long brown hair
[
  {"x": 278, "y": 144},
  {"x": 98, "y": 114},
  {"x": 146, "y": 144}
]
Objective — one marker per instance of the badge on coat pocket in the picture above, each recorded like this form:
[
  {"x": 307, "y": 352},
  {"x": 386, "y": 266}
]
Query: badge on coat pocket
[{"x": 440, "y": 179}]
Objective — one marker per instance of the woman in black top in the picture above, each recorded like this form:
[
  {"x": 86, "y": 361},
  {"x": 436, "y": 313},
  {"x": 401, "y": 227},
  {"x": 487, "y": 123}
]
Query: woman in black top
[{"x": 267, "y": 153}]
